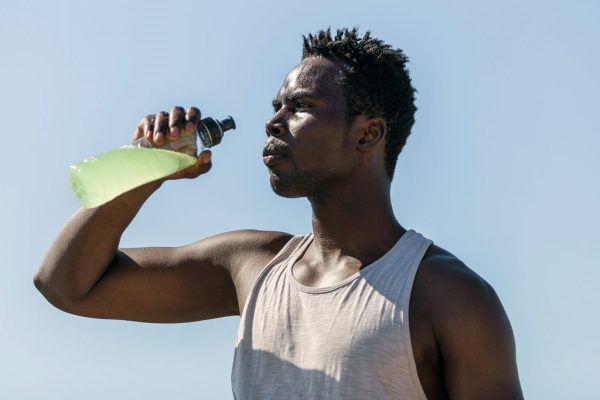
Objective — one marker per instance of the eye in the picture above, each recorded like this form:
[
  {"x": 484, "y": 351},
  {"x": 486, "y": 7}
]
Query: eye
[
  {"x": 301, "y": 104},
  {"x": 276, "y": 105}
]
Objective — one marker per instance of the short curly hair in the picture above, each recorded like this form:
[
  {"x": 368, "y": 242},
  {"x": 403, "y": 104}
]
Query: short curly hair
[{"x": 374, "y": 80}]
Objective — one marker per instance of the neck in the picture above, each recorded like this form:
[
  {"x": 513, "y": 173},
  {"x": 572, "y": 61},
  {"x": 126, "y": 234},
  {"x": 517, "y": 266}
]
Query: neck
[{"x": 356, "y": 223}]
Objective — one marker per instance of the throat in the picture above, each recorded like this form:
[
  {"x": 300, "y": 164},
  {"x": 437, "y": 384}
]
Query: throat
[
  {"x": 352, "y": 229},
  {"x": 358, "y": 225}
]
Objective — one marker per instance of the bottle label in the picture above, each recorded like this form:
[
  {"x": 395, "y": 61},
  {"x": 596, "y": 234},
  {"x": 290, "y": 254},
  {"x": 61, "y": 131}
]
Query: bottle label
[{"x": 186, "y": 144}]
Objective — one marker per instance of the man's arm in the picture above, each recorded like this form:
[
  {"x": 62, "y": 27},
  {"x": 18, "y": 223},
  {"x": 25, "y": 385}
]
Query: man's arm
[
  {"x": 85, "y": 273},
  {"x": 473, "y": 334}
]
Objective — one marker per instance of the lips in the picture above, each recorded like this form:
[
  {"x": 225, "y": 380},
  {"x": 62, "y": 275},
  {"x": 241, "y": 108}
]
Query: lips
[
  {"x": 273, "y": 153},
  {"x": 271, "y": 160}
]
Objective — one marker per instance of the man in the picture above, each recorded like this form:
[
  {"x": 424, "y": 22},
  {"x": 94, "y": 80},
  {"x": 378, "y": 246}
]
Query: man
[{"x": 361, "y": 307}]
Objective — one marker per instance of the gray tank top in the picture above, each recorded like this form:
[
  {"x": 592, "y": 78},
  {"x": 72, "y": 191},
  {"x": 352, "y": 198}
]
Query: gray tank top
[{"x": 346, "y": 341}]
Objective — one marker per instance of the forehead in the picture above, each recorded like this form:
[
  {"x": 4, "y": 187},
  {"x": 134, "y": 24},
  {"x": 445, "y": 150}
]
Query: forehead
[{"x": 316, "y": 75}]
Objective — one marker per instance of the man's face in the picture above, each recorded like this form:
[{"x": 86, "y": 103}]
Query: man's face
[{"x": 309, "y": 149}]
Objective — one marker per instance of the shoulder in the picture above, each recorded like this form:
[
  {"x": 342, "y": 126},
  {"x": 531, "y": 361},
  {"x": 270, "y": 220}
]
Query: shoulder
[
  {"x": 445, "y": 279},
  {"x": 467, "y": 327},
  {"x": 243, "y": 253},
  {"x": 459, "y": 304},
  {"x": 454, "y": 299},
  {"x": 228, "y": 246}
]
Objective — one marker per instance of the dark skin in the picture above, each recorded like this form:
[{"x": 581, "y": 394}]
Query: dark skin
[{"x": 462, "y": 340}]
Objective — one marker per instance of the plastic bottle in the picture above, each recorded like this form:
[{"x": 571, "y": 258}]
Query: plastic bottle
[{"x": 97, "y": 180}]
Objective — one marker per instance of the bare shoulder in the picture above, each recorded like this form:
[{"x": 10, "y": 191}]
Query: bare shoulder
[
  {"x": 243, "y": 253},
  {"x": 442, "y": 276},
  {"x": 229, "y": 248},
  {"x": 454, "y": 296},
  {"x": 468, "y": 329}
]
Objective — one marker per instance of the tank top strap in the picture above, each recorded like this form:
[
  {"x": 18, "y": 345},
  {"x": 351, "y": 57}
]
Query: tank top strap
[{"x": 287, "y": 252}]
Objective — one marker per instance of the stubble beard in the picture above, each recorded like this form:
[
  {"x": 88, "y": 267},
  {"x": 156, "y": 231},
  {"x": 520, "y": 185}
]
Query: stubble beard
[{"x": 298, "y": 184}]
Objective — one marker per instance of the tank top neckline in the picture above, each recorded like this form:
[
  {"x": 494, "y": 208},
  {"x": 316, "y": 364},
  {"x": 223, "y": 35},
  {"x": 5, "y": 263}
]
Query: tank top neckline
[{"x": 307, "y": 240}]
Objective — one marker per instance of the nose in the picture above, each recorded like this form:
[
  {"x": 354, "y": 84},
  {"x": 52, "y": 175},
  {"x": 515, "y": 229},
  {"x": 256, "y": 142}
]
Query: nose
[{"x": 274, "y": 128}]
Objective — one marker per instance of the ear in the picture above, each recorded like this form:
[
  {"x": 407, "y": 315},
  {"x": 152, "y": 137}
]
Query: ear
[{"x": 373, "y": 133}]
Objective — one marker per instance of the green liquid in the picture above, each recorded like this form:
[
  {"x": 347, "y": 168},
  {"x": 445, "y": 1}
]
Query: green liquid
[{"x": 97, "y": 180}]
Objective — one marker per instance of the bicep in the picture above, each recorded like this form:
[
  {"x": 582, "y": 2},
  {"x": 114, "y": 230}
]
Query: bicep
[{"x": 162, "y": 285}]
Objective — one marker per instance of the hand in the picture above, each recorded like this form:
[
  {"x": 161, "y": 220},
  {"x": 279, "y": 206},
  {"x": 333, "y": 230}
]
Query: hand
[
  {"x": 159, "y": 130},
  {"x": 170, "y": 126}
]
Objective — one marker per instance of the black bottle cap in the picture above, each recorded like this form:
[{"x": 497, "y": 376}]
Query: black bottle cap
[
  {"x": 211, "y": 131},
  {"x": 227, "y": 124}
]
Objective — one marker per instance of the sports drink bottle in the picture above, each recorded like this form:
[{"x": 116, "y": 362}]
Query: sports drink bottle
[{"x": 97, "y": 180}]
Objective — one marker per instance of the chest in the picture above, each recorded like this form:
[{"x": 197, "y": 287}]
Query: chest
[
  {"x": 347, "y": 340},
  {"x": 348, "y": 326}
]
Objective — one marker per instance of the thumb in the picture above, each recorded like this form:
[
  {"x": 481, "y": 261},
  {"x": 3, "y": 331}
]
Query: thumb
[{"x": 203, "y": 165}]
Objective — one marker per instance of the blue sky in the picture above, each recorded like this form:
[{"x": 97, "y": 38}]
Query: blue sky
[{"x": 501, "y": 168}]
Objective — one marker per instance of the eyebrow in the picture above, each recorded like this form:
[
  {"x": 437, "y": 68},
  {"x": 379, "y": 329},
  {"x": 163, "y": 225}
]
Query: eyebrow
[{"x": 297, "y": 95}]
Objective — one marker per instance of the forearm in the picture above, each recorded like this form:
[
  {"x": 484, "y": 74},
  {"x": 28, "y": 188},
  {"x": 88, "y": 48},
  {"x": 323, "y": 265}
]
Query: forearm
[{"x": 86, "y": 246}]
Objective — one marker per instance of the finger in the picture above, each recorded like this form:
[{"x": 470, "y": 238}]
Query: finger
[
  {"x": 139, "y": 131},
  {"x": 192, "y": 117},
  {"x": 176, "y": 122},
  {"x": 149, "y": 127},
  {"x": 205, "y": 168},
  {"x": 205, "y": 156},
  {"x": 161, "y": 125},
  {"x": 202, "y": 166}
]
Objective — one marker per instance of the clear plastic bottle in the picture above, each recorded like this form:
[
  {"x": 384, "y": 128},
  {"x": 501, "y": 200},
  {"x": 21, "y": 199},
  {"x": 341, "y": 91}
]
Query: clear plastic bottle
[{"x": 97, "y": 180}]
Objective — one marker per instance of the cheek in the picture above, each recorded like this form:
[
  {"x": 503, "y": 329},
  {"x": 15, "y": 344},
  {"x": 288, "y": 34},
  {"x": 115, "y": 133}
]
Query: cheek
[
  {"x": 302, "y": 125},
  {"x": 315, "y": 126},
  {"x": 317, "y": 138}
]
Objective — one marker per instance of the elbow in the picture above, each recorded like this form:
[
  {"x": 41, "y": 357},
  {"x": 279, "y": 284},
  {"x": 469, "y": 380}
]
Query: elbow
[
  {"x": 43, "y": 285},
  {"x": 39, "y": 282}
]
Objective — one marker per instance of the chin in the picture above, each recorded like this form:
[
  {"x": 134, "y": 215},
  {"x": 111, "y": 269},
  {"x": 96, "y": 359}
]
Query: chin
[
  {"x": 285, "y": 190},
  {"x": 291, "y": 186}
]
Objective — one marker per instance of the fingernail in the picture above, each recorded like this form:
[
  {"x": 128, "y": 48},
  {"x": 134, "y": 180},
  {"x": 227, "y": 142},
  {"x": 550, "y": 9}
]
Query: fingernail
[{"x": 189, "y": 126}]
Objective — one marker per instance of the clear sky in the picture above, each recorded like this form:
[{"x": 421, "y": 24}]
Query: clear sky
[{"x": 502, "y": 168}]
